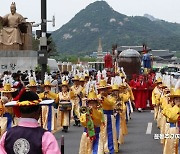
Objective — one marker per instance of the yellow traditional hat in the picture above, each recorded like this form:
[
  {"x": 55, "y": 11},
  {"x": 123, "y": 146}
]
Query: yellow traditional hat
[
  {"x": 115, "y": 87},
  {"x": 122, "y": 86},
  {"x": 122, "y": 75},
  {"x": 32, "y": 83},
  {"x": 64, "y": 83},
  {"x": 92, "y": 96},
  {"x": 76, "y": 78},
  {"x": 86, "y": 75},
  {"x": 32, "y": 80},
  {"x": 159, "y": 80},
  {"x": 102, "y": 84},
  {"x": 7, "y": 85},
  {"x": 82, "y": 79},
  {"x": 175, "y": 94},
  {"x": 7, "y": 89},
  {"x": 47, "y": 81},
  {"x": 163, "y": 86}
]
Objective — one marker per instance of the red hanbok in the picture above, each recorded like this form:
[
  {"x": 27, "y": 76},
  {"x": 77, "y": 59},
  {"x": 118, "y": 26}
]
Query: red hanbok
[{"x": 141, "y": 94}]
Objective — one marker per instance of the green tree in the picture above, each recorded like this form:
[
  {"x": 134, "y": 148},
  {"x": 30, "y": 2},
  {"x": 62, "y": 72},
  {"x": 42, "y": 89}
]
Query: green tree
[
  {"x": 35, "y": 44},
  {"x": 53, "y": 53}
]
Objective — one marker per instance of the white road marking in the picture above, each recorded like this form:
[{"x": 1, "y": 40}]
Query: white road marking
[{"x": 149, "y": 128}]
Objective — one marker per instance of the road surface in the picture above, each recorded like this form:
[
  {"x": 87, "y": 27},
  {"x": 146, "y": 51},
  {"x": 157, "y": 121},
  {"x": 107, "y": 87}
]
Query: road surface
[{"x": 140, "y": 138}]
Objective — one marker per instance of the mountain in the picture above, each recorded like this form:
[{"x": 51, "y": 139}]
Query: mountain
[{"x": 98, "y": 20}]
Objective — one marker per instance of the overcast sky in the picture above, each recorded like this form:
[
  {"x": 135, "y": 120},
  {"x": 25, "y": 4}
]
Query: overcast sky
[{"x": 64, "y": 10}]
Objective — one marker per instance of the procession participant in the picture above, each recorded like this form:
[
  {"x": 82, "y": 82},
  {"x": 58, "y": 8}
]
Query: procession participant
[
  {"x": 7, "y": 92},
  {"x": 133, "y": 81},
  {"x": 127, "y": 91},
  {"x": 65, "y": 106},
  {"x": 109, "y": 131},
  {"x": 82, "y": 81},
  {"x": 166, "y": 105},
  {"x": 156, "y": 94},
  {"x": 83, "y": 94},
  {"x": 145, "y": 90},
  {"x": 48, "y": 112},
  {"x": 117, "y": 113},
  {"x": 48, "y": 94},
  {"x": 171, "y": 143},
  {"x": 17, "y": 82},
  {"x": 124, "y": 96},
  {"x": 130, "y": 102},
  {"x": 54, "y": 83},
  {"x": 151, "y": 86},
  {"x": 92, "y": 119},
  {"x": 159, "y": 114},
  {"x": 28, "y": 137},
  {"x": 32, "y": 83},
  {"x": 76, "y": 100},
  {"x": 140, "y": 103},
  {"x": 163, "y": 103},
  {"x": 87, "y": 77},
  {"x": 3, "y": 120}
]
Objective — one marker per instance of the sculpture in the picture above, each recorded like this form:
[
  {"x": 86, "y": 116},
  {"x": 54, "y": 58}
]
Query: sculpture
[{"x": 16, "y": 32}]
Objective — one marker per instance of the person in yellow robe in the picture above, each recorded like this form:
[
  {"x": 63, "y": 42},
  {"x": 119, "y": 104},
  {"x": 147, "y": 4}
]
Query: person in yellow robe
[
  {"x": 118, "y": 113},
  {"x": 76, "y": 100},
  {"x": 124, "y": 96},
  {"x": 156, "y": 94},
  {"x": 164, "y": 101},
  {"x": 172, "y": 114},
  {"x": 7, "y": 114},
  {"x": 83, "y": 91},
  {"x": 48, "y": 112},
  {"x": 92, "y": 119},
  {"x": 65, "y": 106},
  {"x": 109, "y": 131}
]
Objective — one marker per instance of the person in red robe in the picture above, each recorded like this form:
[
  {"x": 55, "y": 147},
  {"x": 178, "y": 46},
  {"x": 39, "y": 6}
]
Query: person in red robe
[
  {"x": 141, "y": 94},
  {"x": 144, "y": 97},
  {"x": 132, "y": 84},
  {"x": 150, "y": 89}
]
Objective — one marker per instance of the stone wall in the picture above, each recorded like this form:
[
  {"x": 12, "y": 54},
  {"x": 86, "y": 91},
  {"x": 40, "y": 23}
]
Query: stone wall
[{"x": 18, "y": 60}]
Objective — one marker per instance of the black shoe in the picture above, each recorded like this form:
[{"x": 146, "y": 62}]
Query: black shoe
[
  {"x": 65, "y": 130},
  {"x": 76, "y": 123}
]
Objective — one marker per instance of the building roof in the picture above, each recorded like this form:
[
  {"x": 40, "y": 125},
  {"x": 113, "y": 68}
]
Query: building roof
[
  {"x": 166, "y": 54},
  {"x": 94, "y": 54},
  {"x": 137, "y": 48}
]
